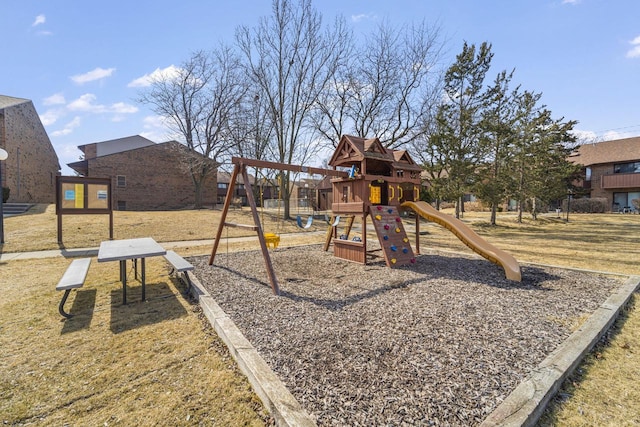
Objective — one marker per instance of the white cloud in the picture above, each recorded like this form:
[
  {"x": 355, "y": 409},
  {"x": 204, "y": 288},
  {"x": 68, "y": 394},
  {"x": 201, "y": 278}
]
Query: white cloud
[
  {"x": 612, "y": 135},
  {"x": 122, "y": 108},
  {"x": 571, "y": 1},
  {"x": 156, "y": 128},
  {"x": 87, "y": 103},
  {"x": 40, "y": 19},
  {"x": 49, "y": 117},
  {"x": 68, "y": 128},
  {"x": 158, "y": 74},
  {"x": 96, "y": 74},
  {"x": 55, "y": 99},
  {"x": 584, "y": 136},
  {"x": 363, "y": 17},
  {"x": 634, "y": 52}
]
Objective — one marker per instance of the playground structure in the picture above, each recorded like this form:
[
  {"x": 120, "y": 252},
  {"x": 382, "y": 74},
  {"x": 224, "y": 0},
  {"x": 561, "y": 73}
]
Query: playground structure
[{"x": 376, "y": 182}]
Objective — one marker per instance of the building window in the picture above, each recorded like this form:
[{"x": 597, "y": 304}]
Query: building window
[
  {"x": 587, "y": 173},
  {"x": 633, "y": 167},
  {"x": 121, "y": 181},
  {"x": 122, "y": 205},
  {"x": 222, "y": 185}
]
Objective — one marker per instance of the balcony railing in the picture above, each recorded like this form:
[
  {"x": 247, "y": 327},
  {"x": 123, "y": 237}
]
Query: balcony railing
[{"x": 620, "y": 180}]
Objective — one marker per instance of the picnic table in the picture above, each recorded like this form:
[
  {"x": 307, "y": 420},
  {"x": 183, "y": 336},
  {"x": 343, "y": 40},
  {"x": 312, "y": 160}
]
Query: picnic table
[{"x": 130, "y": 249}]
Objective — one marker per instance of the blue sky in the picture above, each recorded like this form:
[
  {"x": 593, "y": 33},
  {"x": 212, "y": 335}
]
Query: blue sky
[{"x": 82, "y": 63}]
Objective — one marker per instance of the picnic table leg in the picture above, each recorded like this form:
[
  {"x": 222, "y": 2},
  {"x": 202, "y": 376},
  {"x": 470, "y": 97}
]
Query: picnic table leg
[
  {"x": 143, "y": 278},
  {"x": 61, "y": 306},
  {"x": 123, "y": 278}
]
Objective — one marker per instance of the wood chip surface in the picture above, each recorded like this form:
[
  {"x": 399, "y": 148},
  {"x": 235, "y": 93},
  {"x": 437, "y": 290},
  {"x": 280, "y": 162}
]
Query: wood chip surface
[{"x": 438, "y": 343}]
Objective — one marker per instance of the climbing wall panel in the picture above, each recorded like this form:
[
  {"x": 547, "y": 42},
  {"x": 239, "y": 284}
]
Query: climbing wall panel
[{"x": 393, "y": 239}]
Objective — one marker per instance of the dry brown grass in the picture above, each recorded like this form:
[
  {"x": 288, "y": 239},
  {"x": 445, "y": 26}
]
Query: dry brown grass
[
  {"x": 147, "y": 363},
  {"x": 155, "y": 363},
  {"x": 37, "y": 230}
]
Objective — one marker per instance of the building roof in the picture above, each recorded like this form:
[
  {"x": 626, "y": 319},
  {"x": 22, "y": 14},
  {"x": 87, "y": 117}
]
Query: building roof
[
  {"x": 10, "y": 101},
  {"x": 113, "y": 146},
  {"x": 619, "y": 150},
  {"x": 225, "y": 178}
]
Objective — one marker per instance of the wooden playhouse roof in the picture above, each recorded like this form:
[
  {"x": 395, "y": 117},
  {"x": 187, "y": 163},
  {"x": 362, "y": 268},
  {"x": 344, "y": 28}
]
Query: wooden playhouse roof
[{"x": 352, "y": 149}]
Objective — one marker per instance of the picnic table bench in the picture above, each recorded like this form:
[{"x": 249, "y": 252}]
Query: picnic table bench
[
  {"x": 73, "y": 278},
  {"x": 179, "y": 264}
]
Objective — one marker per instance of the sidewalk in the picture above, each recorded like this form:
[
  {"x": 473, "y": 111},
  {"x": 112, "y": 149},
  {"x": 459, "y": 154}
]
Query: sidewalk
[{"x": 87, "y": 252}]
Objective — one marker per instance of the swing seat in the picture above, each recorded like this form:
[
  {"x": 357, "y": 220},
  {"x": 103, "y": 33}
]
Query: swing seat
[
  {"x": 272, "y": 240},
  {"x": 307, "y": 225}
]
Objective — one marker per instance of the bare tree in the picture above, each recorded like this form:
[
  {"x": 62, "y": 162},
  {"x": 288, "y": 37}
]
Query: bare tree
[
  {"x": 291, "y": 58},
  {"x": 199, "y": 103},
  {"x": 386, "y": 88}
]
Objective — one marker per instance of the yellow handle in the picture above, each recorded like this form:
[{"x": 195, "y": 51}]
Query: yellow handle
[
  {"x": 370, "y": 201},
  {"x": 416, "y": 192},
  {"x": 393, "y": 193},
  {"x": 401, "y": 193}
]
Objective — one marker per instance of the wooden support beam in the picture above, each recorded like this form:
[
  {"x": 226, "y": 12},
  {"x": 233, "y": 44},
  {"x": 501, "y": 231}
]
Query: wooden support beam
[
  {"x": 225, "y": 210},
  {"x": 263, "y": 244},
  {"x": 286, "y": 167}
]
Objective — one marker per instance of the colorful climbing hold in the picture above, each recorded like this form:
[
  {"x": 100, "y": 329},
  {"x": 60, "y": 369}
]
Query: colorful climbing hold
[
  {"x": 378, "y": 217},
  {"x": 398, "y": 230},
  {"x": 379, "y": 207},
  {"x": 393, "y": 248},
  {"x": 405, "y": 250},
  {"x": 390, "y": 210},
  {"x": 386, "y": 226},
  {"x": 413, "y": 260},
  {"x": 386, "y": 237},
  {"x": 393, "y": 260},
  {"x": 406, "y": 240},
  {"x": 398, "y": 219}
]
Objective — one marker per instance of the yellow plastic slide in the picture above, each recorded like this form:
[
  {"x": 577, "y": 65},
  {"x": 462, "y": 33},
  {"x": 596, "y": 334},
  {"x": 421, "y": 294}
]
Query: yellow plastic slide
[{"x": 469, "y": 238}]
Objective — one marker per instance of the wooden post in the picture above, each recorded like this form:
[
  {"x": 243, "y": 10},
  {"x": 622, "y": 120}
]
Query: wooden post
[
  {"x": 225, "y": 209},
  {"x": 256, "y": 221},
  {"x": 364, "y": 236},
  {"x": 417, "y": 234},
  {"x": 330, "y": 233}
]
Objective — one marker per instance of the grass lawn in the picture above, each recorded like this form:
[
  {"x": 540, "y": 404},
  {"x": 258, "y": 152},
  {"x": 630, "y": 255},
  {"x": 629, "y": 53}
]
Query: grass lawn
[{"x": 158, "y": 363}]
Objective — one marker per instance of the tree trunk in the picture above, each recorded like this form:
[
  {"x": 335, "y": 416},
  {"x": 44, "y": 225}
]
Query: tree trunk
[
  {"x": 198, "y": 194},
  {"x": 494, "y": 209},
  {"x": 534, "y": 209},
  {"x": 520, "y": 204}
]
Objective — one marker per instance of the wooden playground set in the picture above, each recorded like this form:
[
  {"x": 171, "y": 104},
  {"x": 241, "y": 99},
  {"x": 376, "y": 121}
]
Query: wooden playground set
[{"x": 373, "y": 182}]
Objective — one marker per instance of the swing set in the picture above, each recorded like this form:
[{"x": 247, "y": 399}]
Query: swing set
[
  {"x": 240, "y": 169},
  {"x": 379, "y": 182}
]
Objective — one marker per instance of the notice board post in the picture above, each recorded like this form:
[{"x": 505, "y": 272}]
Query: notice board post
[{"x": 76, "y": 195}]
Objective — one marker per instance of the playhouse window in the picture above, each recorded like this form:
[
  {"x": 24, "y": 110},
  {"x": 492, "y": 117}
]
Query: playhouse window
[{"x": 345, "y": 194}]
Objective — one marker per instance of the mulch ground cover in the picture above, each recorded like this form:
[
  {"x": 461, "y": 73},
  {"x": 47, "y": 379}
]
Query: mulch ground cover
[{"x": 440, "y": 342}]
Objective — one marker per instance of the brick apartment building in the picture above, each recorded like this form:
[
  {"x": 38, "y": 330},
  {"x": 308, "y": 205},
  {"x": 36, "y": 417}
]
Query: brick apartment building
[
  {"x": 144, "y": 175},
  {"x": 612, "y": 171},
  {"x": 32, "y": 164}
]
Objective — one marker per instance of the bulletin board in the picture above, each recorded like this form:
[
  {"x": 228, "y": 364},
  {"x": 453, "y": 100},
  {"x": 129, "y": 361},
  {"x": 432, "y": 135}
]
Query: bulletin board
[{"x": 77, "y": 195}]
